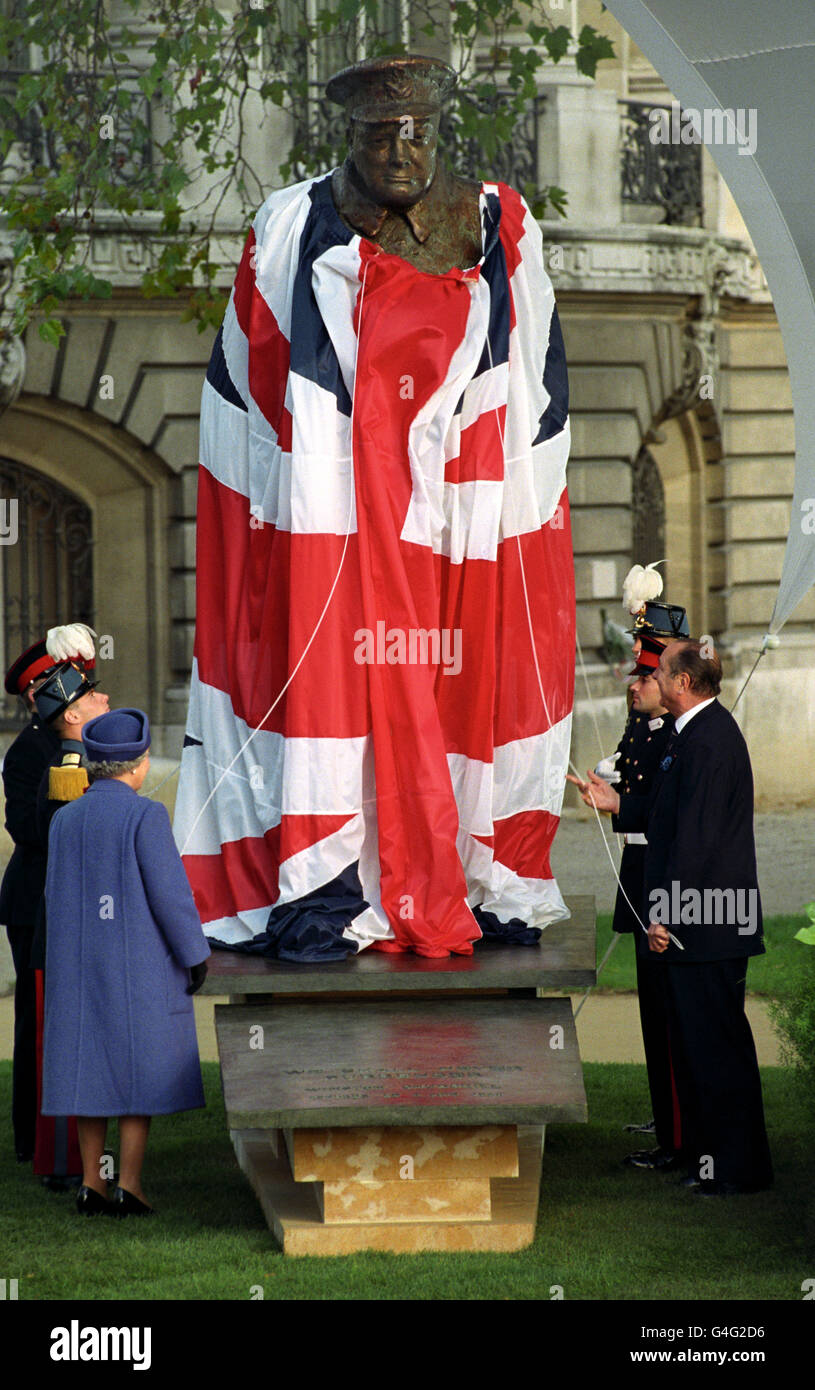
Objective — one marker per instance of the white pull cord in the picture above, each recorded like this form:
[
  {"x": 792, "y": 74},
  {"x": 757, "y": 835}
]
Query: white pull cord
[{"x": 538, "y": 674}]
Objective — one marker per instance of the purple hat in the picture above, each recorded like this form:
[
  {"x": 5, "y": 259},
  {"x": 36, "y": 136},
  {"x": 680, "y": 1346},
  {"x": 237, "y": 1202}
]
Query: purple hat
[{"x": 117, "y": 737}]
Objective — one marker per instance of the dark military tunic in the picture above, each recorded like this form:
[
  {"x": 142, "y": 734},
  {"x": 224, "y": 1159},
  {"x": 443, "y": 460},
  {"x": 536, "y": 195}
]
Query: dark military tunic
[
  {"x": 23, "y": 884},
  {"x": 641, "y": 749}
]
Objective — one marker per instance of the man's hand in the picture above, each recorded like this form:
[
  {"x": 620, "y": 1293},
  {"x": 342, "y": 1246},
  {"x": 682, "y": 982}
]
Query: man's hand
[
  {"x": 658, "y": 937},
  {"x": 597, "y": 792}
]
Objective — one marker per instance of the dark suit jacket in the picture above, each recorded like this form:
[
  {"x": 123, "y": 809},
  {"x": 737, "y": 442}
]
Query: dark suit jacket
[
  {"x": 700, "y": 864},
  {"x": 23, "y": 766}
]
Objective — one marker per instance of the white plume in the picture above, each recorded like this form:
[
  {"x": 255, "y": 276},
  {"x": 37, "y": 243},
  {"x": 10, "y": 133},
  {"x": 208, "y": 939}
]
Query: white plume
[
  {"x": 640, "y": 585},
  {"x": 69, "y": 641}
]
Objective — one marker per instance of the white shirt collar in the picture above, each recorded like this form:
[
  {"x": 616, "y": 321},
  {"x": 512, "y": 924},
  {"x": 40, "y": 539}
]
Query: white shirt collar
[{"x": 689, "y": 713}]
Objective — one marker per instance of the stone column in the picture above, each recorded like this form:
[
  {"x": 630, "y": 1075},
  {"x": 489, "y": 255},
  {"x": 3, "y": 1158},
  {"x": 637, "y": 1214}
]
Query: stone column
[{"x": 579, "y": 146}]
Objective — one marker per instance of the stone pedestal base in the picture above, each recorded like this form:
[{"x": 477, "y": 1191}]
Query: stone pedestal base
[{"x": 323, "y": 1208}]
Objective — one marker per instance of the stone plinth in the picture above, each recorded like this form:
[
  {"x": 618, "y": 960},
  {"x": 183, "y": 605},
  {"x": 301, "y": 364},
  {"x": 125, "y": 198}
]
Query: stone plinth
[
  {"x": 293, "y": 1213},
  {"x": 387, "y": 1155}
]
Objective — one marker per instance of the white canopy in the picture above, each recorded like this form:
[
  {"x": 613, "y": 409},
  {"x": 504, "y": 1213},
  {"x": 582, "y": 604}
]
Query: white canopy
[{"x": 742, "y": 55}]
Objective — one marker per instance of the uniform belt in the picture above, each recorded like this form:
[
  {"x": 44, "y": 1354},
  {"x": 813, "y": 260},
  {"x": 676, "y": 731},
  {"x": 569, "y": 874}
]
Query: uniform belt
[{"x": 635, "y": 840}]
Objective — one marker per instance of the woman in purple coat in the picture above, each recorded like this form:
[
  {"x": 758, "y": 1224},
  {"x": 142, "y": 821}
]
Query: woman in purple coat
[{"x": 124, "y": 938}]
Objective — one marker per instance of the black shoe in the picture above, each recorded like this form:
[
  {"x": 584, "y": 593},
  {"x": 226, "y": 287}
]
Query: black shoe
[
  {"x": 92, "y": 1203},
  {"x": 61, "y": 1184},
  {"x": 649, "y": 1128},
  {"x": 656, "y": 1159},
  {"x": 125, "y": 1204}
]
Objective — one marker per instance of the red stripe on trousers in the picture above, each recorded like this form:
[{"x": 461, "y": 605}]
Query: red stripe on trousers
[{"x": 46, "y": 1133}]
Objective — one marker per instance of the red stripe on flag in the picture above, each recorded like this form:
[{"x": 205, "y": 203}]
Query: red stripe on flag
[
  {"x": 269, "y": 351},
  {"x": 546, "y": 563},
  {"x": 245, "y": 284},
  {"x": 522, "y": 842},
  {"x": 245, "y": 873},
  {"x": 250, "y": 634},
  {"x": 481, "y": 453},
  {"x": 511, "y": 230},
  {"x": 269, "y": 355}
]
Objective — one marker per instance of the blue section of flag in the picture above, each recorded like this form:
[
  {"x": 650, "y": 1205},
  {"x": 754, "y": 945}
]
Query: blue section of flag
[
  {"x": 556, "y": 382},
  {"x": 312, "y": 352},
  {"x": 494, "y": 271},
  {"x": 218, "y": 374},
  {"x": 310, "y": 929}
]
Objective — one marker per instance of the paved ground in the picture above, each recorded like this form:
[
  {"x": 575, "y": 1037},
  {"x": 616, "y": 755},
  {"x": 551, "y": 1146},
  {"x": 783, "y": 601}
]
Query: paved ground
[
  {"x": 608, "y": 1027},
  {"x": 785, "y": 846}
]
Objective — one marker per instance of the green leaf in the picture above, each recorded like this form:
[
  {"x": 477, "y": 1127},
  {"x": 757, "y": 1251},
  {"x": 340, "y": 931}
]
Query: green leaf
[
  {"x": 51, "y": 331},
  {"x": 556, "y": 42},
  {"x": 807, "y": 935}
]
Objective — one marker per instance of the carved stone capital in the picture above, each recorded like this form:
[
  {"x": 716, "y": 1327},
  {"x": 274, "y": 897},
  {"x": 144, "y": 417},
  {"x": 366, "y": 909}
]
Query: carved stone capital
[{"x": 12, "y": 368}]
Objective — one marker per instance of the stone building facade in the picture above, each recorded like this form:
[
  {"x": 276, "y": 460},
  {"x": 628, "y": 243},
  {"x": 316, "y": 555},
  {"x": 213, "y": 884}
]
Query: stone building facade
[{"x": 107, "y": 425}]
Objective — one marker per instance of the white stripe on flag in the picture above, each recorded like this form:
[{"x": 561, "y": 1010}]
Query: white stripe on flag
[
  {"x": 527, "y": 774},
  {"x": 274, "y": 776}
]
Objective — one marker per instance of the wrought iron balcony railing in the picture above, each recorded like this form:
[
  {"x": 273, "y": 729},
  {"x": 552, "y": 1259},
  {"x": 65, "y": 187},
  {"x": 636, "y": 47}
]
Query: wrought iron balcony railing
[
  {"x": 665, "y": 176},
  {"x": 43, "y": 146}
]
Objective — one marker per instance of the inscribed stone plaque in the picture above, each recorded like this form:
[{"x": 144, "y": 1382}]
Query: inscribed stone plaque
[{"x": 449, "y": 1061}]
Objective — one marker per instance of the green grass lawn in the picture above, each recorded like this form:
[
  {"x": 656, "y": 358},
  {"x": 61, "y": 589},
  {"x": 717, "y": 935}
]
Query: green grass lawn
[
  {"x": 766, "y": 974},
  {"x": 605, "y": 1232}
]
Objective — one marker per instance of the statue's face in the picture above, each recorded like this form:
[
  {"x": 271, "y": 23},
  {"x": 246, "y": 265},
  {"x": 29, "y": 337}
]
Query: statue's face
[{"x": 395, "y": 160}]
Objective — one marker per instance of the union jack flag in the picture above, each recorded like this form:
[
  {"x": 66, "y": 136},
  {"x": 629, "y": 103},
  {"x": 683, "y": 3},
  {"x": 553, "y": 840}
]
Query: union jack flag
[{"x": 382, "y": 685}]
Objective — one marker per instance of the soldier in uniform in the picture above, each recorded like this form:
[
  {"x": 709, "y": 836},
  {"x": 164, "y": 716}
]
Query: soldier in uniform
[
  {"x": 636, "y": 760},
  {"x": 646, "y": 733},
  {"x": 24, "y": 880},
  {"x": 66, "y": 701}
]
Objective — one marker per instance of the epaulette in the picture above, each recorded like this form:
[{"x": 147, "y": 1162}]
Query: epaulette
[{"x": 68, "y": 781}]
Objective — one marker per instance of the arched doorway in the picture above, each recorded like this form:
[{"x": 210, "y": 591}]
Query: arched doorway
[
  {"x": 46, "y": 563},
  {"x": 673, "y": 467},
  {"x": 98, "y": 472}
]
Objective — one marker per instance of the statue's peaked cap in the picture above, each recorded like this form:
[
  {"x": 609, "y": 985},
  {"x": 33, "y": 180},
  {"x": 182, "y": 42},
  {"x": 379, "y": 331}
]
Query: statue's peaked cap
[{"x": 381, "y": 89}]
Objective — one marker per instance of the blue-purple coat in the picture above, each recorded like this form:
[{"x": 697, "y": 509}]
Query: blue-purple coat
[{"x": 123, "y": 931}]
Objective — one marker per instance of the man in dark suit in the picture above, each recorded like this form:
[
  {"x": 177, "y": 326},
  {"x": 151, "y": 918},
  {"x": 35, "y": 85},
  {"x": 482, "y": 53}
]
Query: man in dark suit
[{"x": 704, "y": 912}]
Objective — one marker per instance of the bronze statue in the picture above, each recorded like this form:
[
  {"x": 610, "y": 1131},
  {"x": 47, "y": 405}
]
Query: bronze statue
[
  {"x": 379, "y": 717},
  {"x": 392, "y": 188}
]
